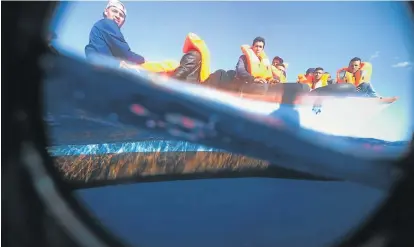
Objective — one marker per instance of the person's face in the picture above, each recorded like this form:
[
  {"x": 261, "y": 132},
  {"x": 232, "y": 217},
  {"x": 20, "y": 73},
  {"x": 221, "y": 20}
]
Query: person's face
[
  {"x": 318, "y": 74},
  {"x": 258, "y": 47},
  {"x": 276, "y": 62},
  {"x": 280, "y": 67},
  {"x": 116, "y": 15},
  {"x": 354, "y": 66}
]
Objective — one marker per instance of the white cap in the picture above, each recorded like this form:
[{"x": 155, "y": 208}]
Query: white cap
[{"x": 117, "y": 4}]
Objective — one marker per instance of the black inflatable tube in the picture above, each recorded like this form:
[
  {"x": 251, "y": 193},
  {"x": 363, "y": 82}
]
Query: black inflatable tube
[
  {"x": 225, "y": 80},
  {"x": 254, "y": 88}
]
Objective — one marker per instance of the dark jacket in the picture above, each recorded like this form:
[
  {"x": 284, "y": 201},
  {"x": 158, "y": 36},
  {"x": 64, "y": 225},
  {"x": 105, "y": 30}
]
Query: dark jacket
[
  {"x": 190, "y": 67},
  {"x": 106, "y": 39},
  {"x": 241, "y": 70}
]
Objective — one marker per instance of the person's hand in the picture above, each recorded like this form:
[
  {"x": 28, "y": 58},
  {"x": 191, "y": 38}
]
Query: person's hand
[
  {"x": 123, "y": 65},
  {"x": 259, "y": 80},
  {"x": 274, "y": 81},
  {"x": 126, "y": 65}
]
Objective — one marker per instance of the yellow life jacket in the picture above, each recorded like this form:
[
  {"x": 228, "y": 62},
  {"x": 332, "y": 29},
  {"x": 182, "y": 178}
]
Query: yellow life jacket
[
  {"x": 279, "y": 74},
  {"x": 166, "y": 66},
  {"x": 258, "y": 68},
  {"x": 194, "y": 42},
  {"x": 324, "y": 79}
]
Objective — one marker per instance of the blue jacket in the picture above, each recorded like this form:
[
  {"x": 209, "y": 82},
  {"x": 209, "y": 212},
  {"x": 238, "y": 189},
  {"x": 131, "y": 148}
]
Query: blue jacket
[{"x": 106, "y": 39}]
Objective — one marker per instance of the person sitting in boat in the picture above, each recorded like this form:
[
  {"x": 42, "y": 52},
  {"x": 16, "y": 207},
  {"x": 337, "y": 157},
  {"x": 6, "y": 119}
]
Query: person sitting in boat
[
  {"x": 195, "y": 63},
  {"x": 277, "y": 60},
  {"x": 254, "y": 65},
  {"x": 308, "y": 76},
  {"x": 279, "y": 73},
  {"x": 106, "y": 39},
  {"x": 359, "y": 74},
  {"x": 279, "y": 69},
  {"x": 314, "y": 78}
]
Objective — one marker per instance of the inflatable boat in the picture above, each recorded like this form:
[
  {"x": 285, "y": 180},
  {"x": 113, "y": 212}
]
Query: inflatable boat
[{"x": 335, "y": 109}]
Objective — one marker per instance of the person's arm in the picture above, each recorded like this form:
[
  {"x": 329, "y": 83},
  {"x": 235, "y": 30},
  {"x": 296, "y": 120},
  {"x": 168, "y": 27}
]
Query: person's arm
[
  {"x": 188, "y": 63},
  {"x": 115, "y": 39},
  {"x": 241, "y": 70}
]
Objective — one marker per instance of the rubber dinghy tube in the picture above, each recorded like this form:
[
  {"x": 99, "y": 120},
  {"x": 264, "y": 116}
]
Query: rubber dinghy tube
[
  {"x": 341, "y": 89},
  {"x": 278, "y": 88}
]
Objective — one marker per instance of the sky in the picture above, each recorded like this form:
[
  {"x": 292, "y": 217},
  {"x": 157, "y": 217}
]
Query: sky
[{"x": 305, "y": 34}]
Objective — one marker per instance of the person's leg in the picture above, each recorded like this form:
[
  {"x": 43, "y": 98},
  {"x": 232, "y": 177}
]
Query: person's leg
[
  {"x": 224, "y": 78},
  {"x": 211, "y": 80},
  {"x": 220, "y": 79},
  {"x": 215, "y": 79},
  {"x": 367, "y": 90}
]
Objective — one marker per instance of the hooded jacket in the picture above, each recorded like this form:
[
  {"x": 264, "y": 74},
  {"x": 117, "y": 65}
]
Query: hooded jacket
[{"x": 106, "y": 39}]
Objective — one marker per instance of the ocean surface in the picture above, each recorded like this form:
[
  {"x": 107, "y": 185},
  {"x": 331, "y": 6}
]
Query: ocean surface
[{"x": 255, "y": 212}]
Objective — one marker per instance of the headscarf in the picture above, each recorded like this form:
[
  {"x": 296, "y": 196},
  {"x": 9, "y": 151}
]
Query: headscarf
[{"x": 117, "y": 4}]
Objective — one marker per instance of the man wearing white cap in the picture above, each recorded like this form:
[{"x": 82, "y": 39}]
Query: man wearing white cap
[{"x": 106, "y": 38}]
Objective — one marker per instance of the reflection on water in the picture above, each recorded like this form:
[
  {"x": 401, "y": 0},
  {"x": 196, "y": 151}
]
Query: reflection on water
[
  {"x": 101, "y": 162},
  {"x": 232, "y": 212}
]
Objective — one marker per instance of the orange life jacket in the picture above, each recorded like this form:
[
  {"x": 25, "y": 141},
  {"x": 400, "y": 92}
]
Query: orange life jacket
[
  {"x": 194, "y": 42},
  {"x": 362, "y": 75},
  {"x": 304, "y": 78},
  {"x": 257, "y": 67}
]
